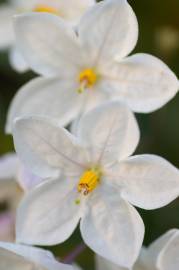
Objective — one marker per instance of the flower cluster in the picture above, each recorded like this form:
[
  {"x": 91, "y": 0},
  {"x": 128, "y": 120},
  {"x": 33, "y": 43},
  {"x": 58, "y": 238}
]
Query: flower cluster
[{"x": 86, "y": 175}]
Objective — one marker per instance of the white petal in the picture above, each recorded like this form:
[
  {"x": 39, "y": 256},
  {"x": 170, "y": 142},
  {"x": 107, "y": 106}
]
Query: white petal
[
  {"x": 153, "y": 255},
  {"x": 103, "y": 264},
  {"x": 168, "y": 258},
  {"x": 141, "y": 263},
  {"x": 108, "y": 29},
  {"x": 17, "y": 61},
  {"x": 6, "y": 29},
  {"x": 111, "y": 131},
  {"x": 48, "y": 214},
  {"x": 113, "y": 228},
  {"x": 91, "y": 100},
  {"x": 9, "y": 165},
  {"x": 9, "y": 260},
  {"x": 54, "y": 51},
  {"x": 142, "y": 81},
  {"x": 72, "y": 10},
  {"x": 28, "y": 180},
  {"x": 14, "y": 256},
  {"x": 46, "y": 148},
  {"x": 148, "y": 181},
  {"x": 46, "y": 97}
]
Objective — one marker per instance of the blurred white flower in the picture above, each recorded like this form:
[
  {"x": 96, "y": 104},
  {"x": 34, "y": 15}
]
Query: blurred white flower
[
  {"x": 14, "y": 180},
  {"x": 70, "y": 10},
  {"x": 167, "y": 40},
  {"x": 160, "y": 255},
  {"x": 98, "y": 182},
  {"x": 7, "y": 225},
  {"x": 21, "y": 257},
  {"x": 82, "y": 68},
  {"x": 10, "y": 194}
]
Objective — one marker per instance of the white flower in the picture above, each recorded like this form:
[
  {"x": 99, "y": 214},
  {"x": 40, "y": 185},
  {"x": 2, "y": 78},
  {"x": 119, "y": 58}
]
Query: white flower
[
  {"x": 97, "y": 185},
  {"x": 70, "y": 10},
  {"x": 13, "y": 177},
  {"x": 21, "y": 257},
  {"x": 160, "y": 255},
  {"x": 10, "y": 195},
  {"x": 86, "y": 67}
]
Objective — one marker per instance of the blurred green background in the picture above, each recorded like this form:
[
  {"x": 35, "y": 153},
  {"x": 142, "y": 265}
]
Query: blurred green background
[{"x": 159, "y": 35}]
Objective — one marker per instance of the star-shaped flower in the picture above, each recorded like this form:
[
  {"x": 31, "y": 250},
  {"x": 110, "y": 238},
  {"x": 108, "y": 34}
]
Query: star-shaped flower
[
  {"x": 92, "y": 181},
  {"x": 84, "y": 67},
  {"x": 70, "y": 10},
  {"x": 21, "y": 257},
  {"x": 160, "y": 255}
]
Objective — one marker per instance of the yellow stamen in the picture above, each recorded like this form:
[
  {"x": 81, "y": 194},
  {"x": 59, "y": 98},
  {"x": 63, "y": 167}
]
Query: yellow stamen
[
  {"x": 89, "y": 181},
  {"x": 45, "y": 8},
  {"x": 87, "y": 79}
]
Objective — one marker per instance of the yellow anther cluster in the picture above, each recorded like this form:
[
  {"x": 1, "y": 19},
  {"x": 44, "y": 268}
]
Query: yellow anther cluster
[
  {"x": 89, "y": 76},
  {"x": 45, "y": 8},
  {"x": 87, "y": 79},
  {"x": 88, "y": 182}
]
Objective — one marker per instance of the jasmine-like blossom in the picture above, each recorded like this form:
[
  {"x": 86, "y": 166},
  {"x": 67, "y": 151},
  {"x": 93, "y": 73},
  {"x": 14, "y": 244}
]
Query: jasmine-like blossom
[
  {"x": 92, "y": 180},
  {"x": 83, "y": 67},
  {"x": 162, "y": 254},
  {"x": 70, "y": 10},
  {"x": 21, "y": 257}
]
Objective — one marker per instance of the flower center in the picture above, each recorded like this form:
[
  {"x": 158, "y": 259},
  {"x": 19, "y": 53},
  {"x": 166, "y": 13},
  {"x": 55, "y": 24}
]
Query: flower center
[
  {"x": 88, "y": 182},
  {"x": 87, "y": 79},
  {"x": 45, "y": 8}
]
